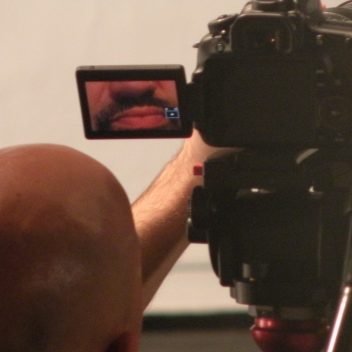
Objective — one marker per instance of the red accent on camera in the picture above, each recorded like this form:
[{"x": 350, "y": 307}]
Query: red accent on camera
[{"x": 198, "y": 170}]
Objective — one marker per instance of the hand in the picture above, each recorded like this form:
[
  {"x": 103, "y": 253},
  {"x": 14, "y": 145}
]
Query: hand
[{"x": 195, "y": 150}]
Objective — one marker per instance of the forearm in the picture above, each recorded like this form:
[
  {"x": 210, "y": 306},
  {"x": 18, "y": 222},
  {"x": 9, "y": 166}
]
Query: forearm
[{"x": 160, "y": 217}]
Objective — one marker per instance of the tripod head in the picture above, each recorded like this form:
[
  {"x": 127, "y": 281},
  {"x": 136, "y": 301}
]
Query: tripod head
[{"x": 276, "y": 224}]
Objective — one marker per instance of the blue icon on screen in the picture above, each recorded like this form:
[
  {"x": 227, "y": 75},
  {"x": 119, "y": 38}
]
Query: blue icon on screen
[{"x": 172, "y": 113}]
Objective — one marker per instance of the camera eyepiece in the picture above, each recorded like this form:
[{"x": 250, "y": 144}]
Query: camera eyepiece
[{"x": 273, "y": 5}]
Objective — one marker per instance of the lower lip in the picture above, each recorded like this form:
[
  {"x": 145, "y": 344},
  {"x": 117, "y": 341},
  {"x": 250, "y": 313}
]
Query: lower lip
[
  {"x": 137, "y": 123},
  {"x": 140, "y": 118}
]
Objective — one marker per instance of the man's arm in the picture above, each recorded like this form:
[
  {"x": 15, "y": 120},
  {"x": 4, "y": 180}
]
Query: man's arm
[{"x": 161, "y": 213}]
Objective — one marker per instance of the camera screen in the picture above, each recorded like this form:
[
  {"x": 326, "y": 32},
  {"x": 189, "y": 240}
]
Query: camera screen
[{"x": 128, "y": 102}]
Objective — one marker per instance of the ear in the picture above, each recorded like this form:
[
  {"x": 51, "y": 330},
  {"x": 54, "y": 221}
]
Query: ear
[{"x": 126, "y": 342}]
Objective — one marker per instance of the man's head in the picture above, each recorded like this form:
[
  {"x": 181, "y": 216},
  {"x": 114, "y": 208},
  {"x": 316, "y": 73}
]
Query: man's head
[
  {"x": 126, "y": 105},
  {"x": 69, "y": 255}
]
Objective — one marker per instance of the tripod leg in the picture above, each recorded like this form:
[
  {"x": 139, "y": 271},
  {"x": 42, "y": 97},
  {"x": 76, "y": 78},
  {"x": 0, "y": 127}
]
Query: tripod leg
[{"x": 340, "y": 339}]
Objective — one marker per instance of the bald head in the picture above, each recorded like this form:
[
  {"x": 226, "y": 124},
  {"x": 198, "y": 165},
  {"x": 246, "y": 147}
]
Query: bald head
[{"x": 69, "y": 256}]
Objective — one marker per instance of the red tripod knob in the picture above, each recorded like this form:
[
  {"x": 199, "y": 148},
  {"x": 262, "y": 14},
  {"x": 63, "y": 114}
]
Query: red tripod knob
[{"x": 276, "y": 335}]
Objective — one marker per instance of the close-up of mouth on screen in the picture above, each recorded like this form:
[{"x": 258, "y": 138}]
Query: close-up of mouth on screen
[{"x": 134, "y": 105}]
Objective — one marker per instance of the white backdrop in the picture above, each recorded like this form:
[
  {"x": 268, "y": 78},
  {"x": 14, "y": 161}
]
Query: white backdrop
[{"x": 41, "y": 44}]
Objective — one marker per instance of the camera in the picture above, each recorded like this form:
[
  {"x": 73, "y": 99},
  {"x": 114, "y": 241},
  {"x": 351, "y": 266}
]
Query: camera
[{"x": 278, "y": 73}]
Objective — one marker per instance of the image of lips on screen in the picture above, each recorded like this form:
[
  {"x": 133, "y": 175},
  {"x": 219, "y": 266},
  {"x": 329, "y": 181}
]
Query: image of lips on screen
[{"x": 133, "y": 105}]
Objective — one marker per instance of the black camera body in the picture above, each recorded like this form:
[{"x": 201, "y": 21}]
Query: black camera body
[{"x": 278, "y": 73}]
